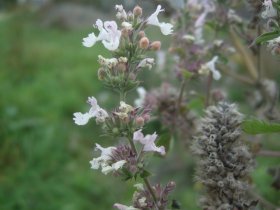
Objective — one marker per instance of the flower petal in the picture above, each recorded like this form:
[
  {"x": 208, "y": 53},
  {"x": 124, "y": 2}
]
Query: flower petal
[
  {"x": 81, "y": 119},
  {"x": 90, "y": 40}
]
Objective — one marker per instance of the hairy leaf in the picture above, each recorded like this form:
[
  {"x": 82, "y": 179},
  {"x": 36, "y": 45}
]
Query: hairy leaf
[{"x": 260, "y": 127}]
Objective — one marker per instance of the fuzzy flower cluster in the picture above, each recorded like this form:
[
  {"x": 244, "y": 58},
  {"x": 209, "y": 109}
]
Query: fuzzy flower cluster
[
  {"x": 270, "y": 14},
  {"x": 164, "y": 102},
  {"x": 203, "y": 55},
  {"x": 94, "y": 112},
  {"x": 129, "y": 44},
  {"x": 143, "y": 200},
  {"x": 224, "y": 161},
  {"x": 109, "y": 33}
]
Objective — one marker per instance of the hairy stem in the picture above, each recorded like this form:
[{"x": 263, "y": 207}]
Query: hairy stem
[
  {"x": 208, "y": 89},
  {"x": 183, "y": 86},
  {"x": 269, "y": 153},
  {"x": 240, "y": 78},
  {"x": 245, "y": 54},
  {"x": 149, "y": 187}
]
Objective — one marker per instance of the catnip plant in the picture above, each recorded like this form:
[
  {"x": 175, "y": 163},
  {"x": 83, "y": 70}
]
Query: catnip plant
[
  {"x": 208, "y": 35},
  {"x": 127, "y": 41}
]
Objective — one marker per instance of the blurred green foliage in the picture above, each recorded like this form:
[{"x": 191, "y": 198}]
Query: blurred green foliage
[{"x": 45, "y": 76}]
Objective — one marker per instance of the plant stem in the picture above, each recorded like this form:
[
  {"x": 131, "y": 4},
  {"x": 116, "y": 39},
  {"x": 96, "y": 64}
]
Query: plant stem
[
  {"x": 259, "y": 64},
  {"x": 269, "y": 153},
  {"x": 132, "y": 145},
  {"x": 208, "y": 89},
  {"x": 245, "y": 54},
  {"x": 146, "y": 181},
  {"x": 148, "y": 185},
  {"x": 236, "y": 76},
  {"x": 122, "y": 95},
  {"x": 183, "y": 86}
]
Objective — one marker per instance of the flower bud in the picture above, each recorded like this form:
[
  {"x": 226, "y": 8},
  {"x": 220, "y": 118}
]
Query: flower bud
[
  {"x": 139, "y": 121},
  {"x": 155, "y": 45},
  {"x": 141, "y": 34},
  {"x": 132, "y": 76},
  {"x": 101, "y": 73},
  {"x": 115, "y": 131},
  {"x": 146, "y": 117},
  {"x": 121, "y": 67},
  {"x": 125, "y": 32},
  {"x": 137, "y": 11},
  {"x": 144, "y": 43}
]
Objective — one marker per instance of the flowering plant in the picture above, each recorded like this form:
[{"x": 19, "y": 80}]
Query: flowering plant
[
  {"x": 129, "y": 44},
  {"x": 202, "y": 55}
]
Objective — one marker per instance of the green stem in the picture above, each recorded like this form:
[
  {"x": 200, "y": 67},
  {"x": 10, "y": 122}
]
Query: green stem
[
  {"x": 208, "y": 89},
  {"x": 148, "y": 185},
  {"x": 122, "y": 95},
  {"x": 183, "y": 86},
  {"x": 132, "y": 145}
]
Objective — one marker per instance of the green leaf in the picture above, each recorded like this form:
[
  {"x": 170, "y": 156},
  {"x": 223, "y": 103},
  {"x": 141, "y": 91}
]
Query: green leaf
[
  {"x": 145, "y": 174},
  {"x": 266, "y": 37},
  {"x": 196, "y": 105},
  {"x": 187, "y": 74},
  {"x": 260, "y": 127},
  {"x": 165, "y": 140}
]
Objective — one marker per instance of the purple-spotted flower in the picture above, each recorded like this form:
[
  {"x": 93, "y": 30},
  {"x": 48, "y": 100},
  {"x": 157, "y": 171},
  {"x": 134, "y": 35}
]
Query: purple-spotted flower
[
  {"x": 210, "y": 67},
  {"x": 165, "y": 28},
  {"x": 95, "y": 111},
  {"x": 148, "y": 142},
  {"x": 269, "y": 10},
  {"x": 105, "y": 160},
  {"x": 109, "y": 35}
]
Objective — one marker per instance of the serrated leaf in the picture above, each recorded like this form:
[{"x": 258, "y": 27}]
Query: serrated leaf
[
  {"x": 260, "y": 127},
  {"x": 266, "y": 37}
]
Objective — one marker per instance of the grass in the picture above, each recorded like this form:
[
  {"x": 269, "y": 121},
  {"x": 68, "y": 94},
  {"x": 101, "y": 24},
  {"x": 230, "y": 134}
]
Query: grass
[{"x": 45, "y": 76}]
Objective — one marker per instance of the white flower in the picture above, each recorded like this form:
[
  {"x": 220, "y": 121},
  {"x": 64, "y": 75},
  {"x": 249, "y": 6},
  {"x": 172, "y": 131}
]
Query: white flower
[
  {"x": 126, "y": 108},
  {"x": 114, "y": 167},
  {"x": 274, "y": 45},
  {"x": 127, "y": 25},
  {"x": 101, "y": 115},
  {"x": 165, "y": 28},
  {"x": 210, "y": 66},
  {"x": 148, "y": 142},
  {"x": 142, "y": 94},
  {"x": 108, "y": 34},
  {"x": 200, "y": 21},
  {"x": 142, "y": 201},
  {"x": 139, "y": 186},
  {"x": 124, "y": 207},
  {"x": 95, "y": 111},
  {"x": 81, "y": 119},
  {"x": 90, "y": 40},
  {"x": 121, "y": 13},
  {"x": 104, "y": 157},
  {"x": 189, "y": 38},
  {"x": 123, "y": 59},
  {"x": 147, "y": 62},
  {"x": 269, "y": 11},
  {"x": 104, "y": 160}
]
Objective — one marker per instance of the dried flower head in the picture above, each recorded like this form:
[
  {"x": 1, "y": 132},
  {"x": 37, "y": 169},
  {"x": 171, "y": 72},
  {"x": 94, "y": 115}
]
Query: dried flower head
[{"x": 225, "y": 162}]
